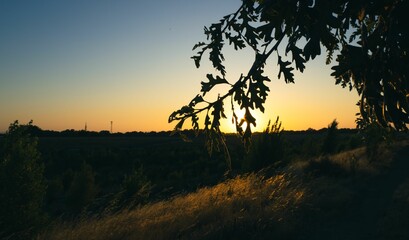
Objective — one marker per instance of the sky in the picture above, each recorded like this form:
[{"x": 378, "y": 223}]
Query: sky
[{"x": 64, "y": 64}]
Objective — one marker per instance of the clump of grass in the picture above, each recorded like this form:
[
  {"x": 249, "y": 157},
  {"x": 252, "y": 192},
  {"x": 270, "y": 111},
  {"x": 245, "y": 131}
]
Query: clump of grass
[{"x": 230, "y": 210}]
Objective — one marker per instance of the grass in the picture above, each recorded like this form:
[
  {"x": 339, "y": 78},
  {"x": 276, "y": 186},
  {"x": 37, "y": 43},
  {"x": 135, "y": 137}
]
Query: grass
[
  {"x": 233, "y": 209},
  {"x": 342, "y": 196}
]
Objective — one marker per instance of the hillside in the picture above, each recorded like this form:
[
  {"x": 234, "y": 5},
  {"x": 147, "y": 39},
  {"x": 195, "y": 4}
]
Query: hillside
[{"x": 343, "y": 196}]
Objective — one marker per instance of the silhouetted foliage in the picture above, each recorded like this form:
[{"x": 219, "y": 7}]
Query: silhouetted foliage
[
  {"x": 369, "y": 38},
  {"x": 22, "y": 185},
  {"x": 330, "y": 142},
  {"x": 268, "y": 148}
]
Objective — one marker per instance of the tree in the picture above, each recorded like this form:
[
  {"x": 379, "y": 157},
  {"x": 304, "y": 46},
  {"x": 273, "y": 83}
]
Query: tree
[
  {"x": 22, "y": 185},
  {"x": 330, "y": 141},
  {"x": 369, "y": 37}
]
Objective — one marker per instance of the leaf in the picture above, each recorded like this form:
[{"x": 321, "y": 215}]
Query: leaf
[
  {"x": 179, "y": 126},
  {"x": 265, "y": 31},
  {"x": 216, "y": 57},
  {"x": 237, "y": 42},
  {"x": 207, "y": 86},
  {"x": 199, "y": 44},
  {"x": 196, "y": 100},
  {"x": 299, "y": 60},
  {"x": 235, "y": 121},
  {"x": 249, "y": 118},
  {"x": 197, "y": 60},
  {"x": 195, "y": 124},
  {"x": 287, "y": 71},
  {"x": 172, "y": 117},
  {"x": 312, "y": 48},
  {"x": 218, "y": 113},
  {"x": 251, "y": 35},
  {"x": 185, "y": 110}
]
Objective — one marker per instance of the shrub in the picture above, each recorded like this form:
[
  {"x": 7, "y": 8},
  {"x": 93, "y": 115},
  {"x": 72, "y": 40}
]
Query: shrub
[
  {"x": 82, "y": 190},
  {"x": 135, "y": 190},
  {"x": 22, "y": 185},
  {"x": 331, "y": 139},
  {"x": 267, "y": 149}
]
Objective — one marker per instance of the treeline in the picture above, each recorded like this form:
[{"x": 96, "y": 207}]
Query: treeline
[{"x": 38, "y": 132}]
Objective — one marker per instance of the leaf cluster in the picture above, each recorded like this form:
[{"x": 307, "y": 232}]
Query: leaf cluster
[{"x": 370, "y": 39}]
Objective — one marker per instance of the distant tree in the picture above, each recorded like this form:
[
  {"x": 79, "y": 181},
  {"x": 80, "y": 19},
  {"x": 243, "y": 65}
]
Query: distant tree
[
  {"x": 330, "y": 141},
  {"x": 22, "y": 185},
  {"x": 369, "y": 37}
]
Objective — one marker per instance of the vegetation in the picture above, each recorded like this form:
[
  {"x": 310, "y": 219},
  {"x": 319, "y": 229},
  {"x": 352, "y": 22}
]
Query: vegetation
[
  {"x": 237, "y": 208},
  {"x": 314, "y": 184},
  {"x": 325, "y": 198},
  {"x": 120, "y": 186},
  {"x": 268, "y": 148},
  {"x": 22, "y": 185},
  {"x": 329, "y": 145},
  {"x": 369, "y": 38}
]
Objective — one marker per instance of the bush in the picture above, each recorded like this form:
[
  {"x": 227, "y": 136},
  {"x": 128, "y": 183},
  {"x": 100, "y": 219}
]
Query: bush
[
  {"x": 267, "y": 149},
  {"x": 330, "y": 143},
  {"x": 135, "y": 190},
  {"x": 22, "y": 185},
  {"x": 82, "y": 190}
]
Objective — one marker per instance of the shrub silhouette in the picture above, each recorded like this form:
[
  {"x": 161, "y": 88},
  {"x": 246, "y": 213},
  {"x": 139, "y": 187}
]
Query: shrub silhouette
[
  {"x": 22, "y": 186},
  {"x": 267, "y": 149},
  {"x": 330, "y": 142}
]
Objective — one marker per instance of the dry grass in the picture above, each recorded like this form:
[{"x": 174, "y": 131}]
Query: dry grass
[
  {"x": 236, "y": 206},
  {"x": 280, "y": 207},
  {"x": 353, "y": 161}
]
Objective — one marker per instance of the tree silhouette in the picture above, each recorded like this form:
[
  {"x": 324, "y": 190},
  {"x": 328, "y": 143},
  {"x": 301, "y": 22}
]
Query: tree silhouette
[
  {"x": 368, "y": 37},
  {"x": 22, "y": 184},
  {"x": 330, "y": 141}
]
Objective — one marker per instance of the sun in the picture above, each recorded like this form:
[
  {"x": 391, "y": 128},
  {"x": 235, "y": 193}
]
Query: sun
[{"x": 228, "y": 125}]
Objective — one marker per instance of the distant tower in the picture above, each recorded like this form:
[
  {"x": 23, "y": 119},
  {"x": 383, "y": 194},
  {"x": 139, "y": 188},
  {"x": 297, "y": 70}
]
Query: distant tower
[
  {"x": 111, "y": 125},
  {"x": 85, "y": 126}
]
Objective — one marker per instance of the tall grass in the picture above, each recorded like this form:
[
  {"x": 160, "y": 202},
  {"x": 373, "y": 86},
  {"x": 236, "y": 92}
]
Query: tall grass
[{"x": 235, "y": 209}]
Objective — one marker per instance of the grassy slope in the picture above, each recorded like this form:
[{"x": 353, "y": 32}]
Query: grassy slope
[{"x": 341, "y": 197}]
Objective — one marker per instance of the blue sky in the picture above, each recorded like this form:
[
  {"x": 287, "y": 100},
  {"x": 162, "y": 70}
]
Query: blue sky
[{"x": 64, "y": 63}]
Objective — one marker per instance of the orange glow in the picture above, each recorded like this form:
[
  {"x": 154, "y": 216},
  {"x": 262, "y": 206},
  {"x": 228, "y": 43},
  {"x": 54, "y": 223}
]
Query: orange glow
[{"x": 130, "y": 74}]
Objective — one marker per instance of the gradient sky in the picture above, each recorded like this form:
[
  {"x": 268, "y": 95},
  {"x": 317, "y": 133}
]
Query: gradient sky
[{"x": 67, "y": 63}]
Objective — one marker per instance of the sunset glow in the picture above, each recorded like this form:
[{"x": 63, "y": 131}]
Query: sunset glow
[{"x": 65, "y": 65}]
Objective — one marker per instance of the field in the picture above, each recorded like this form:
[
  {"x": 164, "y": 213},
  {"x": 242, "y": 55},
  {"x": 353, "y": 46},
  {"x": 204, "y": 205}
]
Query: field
[{"x": 156, "y": 186}]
